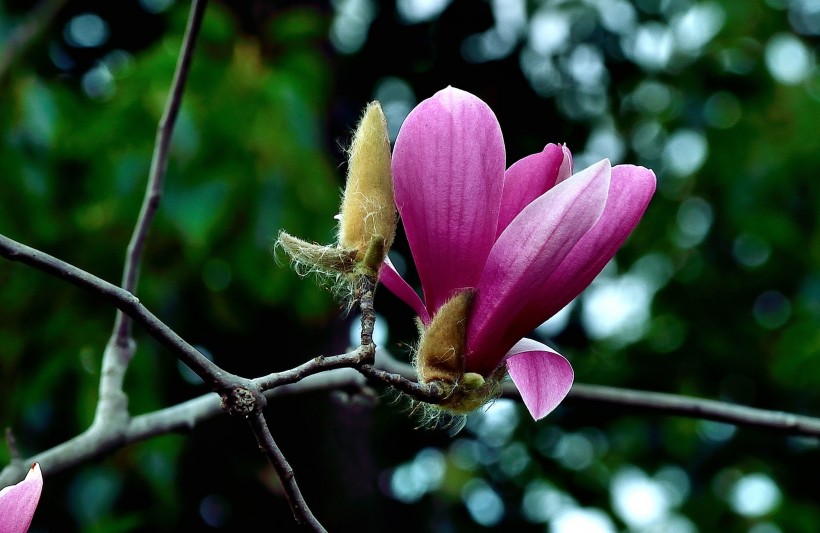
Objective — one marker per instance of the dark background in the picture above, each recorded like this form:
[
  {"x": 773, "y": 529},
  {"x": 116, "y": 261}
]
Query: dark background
[{"x": 715, "y": 295}]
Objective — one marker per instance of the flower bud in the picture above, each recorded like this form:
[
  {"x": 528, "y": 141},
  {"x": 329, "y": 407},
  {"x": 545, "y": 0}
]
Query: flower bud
[
  {"x": 441, "y": 357},
  {"x": 368, "y": 212},
  {"x": 441, "y": 350},
  {"x": 310, "y": 257}
]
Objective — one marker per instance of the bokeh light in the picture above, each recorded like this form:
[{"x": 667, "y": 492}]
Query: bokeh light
[
  {"x": 754, "y": 495},
  {"x": 484, "y": 505},
  {"x": 86, "y": 30},
  {"x": 788, "y": 59}
]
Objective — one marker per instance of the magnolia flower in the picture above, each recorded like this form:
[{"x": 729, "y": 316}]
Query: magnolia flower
[
  {"x": 18, "y": 502},
  {"x": 506, "y": 249}
]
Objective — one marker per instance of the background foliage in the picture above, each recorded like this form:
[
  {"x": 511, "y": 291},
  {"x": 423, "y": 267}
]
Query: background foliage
[{"x": 716, "y": 294}]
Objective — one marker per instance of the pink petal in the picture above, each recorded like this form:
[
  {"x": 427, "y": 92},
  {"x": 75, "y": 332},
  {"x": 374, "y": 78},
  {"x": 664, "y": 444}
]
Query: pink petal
[
  {"x": 630, "y": 191},
  {"x": 529, "y": 178},
  {"x": 391, "y": 279},
  {"x": 448, "y": 171},
  {"x": 18, "y": 502},
  {"x": 522, "y": 259},
  {"x": 542, "y": 376},
  {"x": 565, "y": 172}
]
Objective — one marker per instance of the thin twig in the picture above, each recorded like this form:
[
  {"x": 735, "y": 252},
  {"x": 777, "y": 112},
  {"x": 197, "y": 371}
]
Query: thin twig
[
  {"x": 314, "y": 366},
  {"x": 675, "y": 404},
  {"x": 429, "y": 393},
  {"x": 360, "y": 358},
  {"x": 159, "y": 162},
  {"x": 99, "y": 439},
  {"x": 112, "y": 404},
  {"x": 658, "y": 403},
  {"x": 125, "y": 302},
  {"x": 366, "y": 290},
  {"x": 423, "y": 392},
  {"x": 301, "y": 512}
]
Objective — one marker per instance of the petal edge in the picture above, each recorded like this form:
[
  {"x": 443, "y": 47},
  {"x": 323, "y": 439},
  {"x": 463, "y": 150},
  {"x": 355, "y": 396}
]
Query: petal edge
[
  {"x": 542, "y": 376},
  {"x": 390, "y": 278}
]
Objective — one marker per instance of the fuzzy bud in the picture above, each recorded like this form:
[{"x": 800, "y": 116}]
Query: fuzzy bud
[
  {"x": 308, "y": 256},
  {"x": 441, "y": 358},
  {"x": 441, "y": 350},
  {"x": 368, "y": 213}
]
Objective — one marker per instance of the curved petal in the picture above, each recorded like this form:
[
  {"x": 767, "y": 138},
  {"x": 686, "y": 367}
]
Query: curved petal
[
  {"x": 523, "y": 258},
  {"x": 391, "y": 279},
  {"x": 542, "y": 376},
  {"x": 529, "y": 178},
  {"x": 565, "y": 172},
  {"x": 630, "y": 191},
  {"x": 18, "y": 502},
  {"x": 448, "y": 172}
]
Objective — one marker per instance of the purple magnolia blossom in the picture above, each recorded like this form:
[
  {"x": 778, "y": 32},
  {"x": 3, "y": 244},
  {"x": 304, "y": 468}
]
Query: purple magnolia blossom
[
  {"x": 18, "y": 502},
  {"x": 527, "y": 239}
]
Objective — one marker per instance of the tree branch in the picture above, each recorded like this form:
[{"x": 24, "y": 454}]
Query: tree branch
[
  {"x": 185, "y": 416},
  {"x": 314, "y": 366},
  {"x": 658, "y": 403},
  {"x": 677, "y": 405},
  {"x": 423, "y": 392},
  {"x": 112, "y": 404},
  {"x": 122, "y": 300},
  {"x": 159, "y": 163},
  {"x": 661, "y": 403},
  {"x": 301, "y": 512},
  {"x": 365, "y": 292}
]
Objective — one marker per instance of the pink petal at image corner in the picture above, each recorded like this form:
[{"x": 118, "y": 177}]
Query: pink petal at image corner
[{"x": 18, "y": 502}]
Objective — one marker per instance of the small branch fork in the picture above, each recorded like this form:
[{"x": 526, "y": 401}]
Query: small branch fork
[{"x": 246, "y": 398}]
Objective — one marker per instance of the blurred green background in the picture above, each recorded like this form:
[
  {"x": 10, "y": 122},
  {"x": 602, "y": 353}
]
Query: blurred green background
[{"x": 715, "y": 295}]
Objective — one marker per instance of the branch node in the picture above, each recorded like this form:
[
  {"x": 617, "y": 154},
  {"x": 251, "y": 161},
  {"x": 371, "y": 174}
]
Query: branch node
[{"x": 242, "y": 401}]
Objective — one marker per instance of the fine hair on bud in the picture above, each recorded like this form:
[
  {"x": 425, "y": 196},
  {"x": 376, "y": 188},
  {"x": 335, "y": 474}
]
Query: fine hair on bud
[
  {"x": 441, "y": 358},
  {"x": 368, "y": 209},
  {"x": 441, "y": 349},
  {"x": 333, "y": 267},
  {"x": 308, "y": 257}
]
